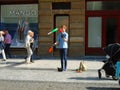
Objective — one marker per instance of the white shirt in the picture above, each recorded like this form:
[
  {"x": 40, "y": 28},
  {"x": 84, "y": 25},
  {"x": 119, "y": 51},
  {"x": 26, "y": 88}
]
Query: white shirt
[
  {"x": 27, "y": 41},
  {"x": 1, "y": 38}
]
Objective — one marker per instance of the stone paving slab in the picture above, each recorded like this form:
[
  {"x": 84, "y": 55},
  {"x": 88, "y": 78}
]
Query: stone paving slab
[{"x": 46, "y": 70}]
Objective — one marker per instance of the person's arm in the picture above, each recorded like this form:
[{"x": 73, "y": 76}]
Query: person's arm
[
  {"x": 6, "y": 40},
  {"x": 32, "y": 40},
  {"x": 27, "y": 41},
  {"x": 56, "y": 43},
  {"x": 65, "y": 38}
]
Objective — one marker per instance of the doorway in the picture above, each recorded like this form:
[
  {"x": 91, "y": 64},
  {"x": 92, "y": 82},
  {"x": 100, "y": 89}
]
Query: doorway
[
  {"x": 112, "y": 30},
  {"x": 59, "y": 20}
]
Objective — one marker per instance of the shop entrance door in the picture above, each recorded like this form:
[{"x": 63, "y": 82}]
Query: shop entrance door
[{"x": 112, "y": 26}]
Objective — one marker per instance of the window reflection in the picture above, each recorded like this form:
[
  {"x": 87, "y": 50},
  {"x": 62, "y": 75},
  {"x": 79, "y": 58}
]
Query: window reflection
[
  {"x": 103, "y": 5},
  {"x": 94, "y": 32}
]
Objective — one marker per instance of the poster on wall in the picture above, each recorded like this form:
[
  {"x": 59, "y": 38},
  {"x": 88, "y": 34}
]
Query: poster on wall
[{"x": 18, "y": 19}]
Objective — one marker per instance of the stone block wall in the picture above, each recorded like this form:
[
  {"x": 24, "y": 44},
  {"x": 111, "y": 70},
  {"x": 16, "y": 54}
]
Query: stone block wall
[{"x": 76, "y": 26}]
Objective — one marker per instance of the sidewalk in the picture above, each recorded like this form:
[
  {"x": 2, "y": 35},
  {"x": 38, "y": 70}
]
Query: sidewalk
[{"x": 46, "y": 70}]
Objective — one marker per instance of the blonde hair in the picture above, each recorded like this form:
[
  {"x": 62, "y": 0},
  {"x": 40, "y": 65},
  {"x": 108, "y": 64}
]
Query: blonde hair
[
  {"x": 1, "y": 32},
  {"x": 30, "y": 31}
]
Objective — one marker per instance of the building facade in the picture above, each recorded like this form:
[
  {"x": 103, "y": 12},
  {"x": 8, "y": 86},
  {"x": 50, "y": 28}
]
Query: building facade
[
  {"x": 54, "y": 13},
  {"x": 92, "y": 24}
]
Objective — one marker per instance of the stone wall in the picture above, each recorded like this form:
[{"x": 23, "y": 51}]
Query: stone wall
[{"x": 76, "y": 26}]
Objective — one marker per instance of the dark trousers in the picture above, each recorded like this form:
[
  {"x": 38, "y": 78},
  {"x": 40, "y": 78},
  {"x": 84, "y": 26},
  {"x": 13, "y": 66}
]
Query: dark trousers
[
  {"x": 7, "y": 50},
  {"x": 63, "y": 57},
  {"x": 31, "y": 59}
]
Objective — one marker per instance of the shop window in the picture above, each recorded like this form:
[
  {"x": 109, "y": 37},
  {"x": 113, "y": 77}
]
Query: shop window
[
  {"x": 94, "y": 32},
  {"x": 61, "y": 5},
  {"x": 103, "y": 5},
  {"x": 18, "y": 19}
]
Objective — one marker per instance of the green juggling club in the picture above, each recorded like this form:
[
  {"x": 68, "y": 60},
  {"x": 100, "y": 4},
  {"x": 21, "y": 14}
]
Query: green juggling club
[{"x": 54, "y": 30}]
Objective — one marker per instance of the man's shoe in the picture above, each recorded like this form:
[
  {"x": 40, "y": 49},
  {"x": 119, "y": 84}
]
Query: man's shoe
[
  {"x": 60, "y": 69},
  {"x": 65, "y": 69},
  {"x": 25, "y": 57},
  {"x": 32, "y": 61},
  {"x": 4, "y": 60}
]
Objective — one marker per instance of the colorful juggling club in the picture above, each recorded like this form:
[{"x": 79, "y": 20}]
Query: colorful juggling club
[{"x": 54, "y": 30}]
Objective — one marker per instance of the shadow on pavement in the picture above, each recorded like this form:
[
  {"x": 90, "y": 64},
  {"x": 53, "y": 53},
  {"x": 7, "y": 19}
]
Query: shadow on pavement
[
  {"x": 15, "y": 66},
  {"x": 102, "y": 88},
  {"x": 12, "y": 64},
  {"x": 89, "y": 78},
  {"x": 42, "y": 69}
]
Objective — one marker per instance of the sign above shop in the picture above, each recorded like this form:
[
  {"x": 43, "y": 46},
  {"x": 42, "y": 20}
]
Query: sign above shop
[
  {"x": 23, "y": 12},
  {"x": 29, "y": 10}
]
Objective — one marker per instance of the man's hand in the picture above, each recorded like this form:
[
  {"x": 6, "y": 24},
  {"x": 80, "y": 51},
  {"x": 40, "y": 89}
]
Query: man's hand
[{"x": 62, "y": 36}]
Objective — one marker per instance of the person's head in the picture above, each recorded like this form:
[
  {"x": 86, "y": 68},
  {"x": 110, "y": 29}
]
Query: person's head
[
  {"x": 30, "y": 33},
  {"x": 6, "y": 32},
  {"x": 1, "y": 33},
  {"x": 64, "y": 27}
]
